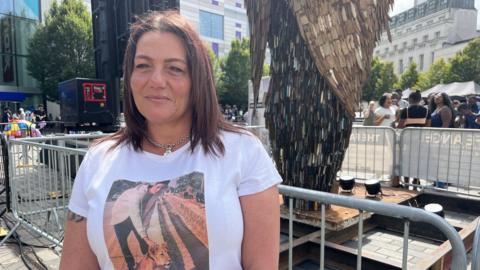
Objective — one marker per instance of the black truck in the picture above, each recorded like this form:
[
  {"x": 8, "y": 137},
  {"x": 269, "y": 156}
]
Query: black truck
[{"x": 87, "y": 104}]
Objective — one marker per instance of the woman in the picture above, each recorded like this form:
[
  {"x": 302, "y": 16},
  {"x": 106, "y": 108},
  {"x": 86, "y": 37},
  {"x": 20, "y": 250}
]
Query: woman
[
  {"x": 220, "y": 209},
  {"x": 385, "y": 115},
  {"x": 369, "y": 115},
  {"x": 442, "y": 111},
  {"x": 415, "y": 115}
]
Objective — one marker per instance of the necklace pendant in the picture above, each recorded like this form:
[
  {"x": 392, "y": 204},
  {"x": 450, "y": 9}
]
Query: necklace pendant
[{"x": 168, "y": 151}]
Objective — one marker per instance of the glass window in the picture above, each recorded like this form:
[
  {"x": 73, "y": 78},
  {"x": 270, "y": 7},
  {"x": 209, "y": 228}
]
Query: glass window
[
  {"x": 7, "y": 69},
  {"x": 238, "y": 34},
  {"x": 400, "y": 66},
  {"x": 25, "y": 30},
  {"x": 238, "y": 25},
  {"x": 24, "y": 79},
  {"x": 6, "y": 34},
  {"x": 215, "y": 2},
  {"x": 239, "y": 5},
  {"x": 437, "y": 34},
  {"x": 211, "y": 25},
  {"x": 27, "y": 9},
  {"x": 6, "y": 6},
  {"x": 425, "y": 38}
]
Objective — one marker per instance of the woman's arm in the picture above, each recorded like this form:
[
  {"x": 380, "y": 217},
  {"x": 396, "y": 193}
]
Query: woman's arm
[
  {"x": 261, "y": 230},
  {"x": 76, "y": 253},
  {"x": 378, "y": 119},
  {"x": 446, "y": 116}
]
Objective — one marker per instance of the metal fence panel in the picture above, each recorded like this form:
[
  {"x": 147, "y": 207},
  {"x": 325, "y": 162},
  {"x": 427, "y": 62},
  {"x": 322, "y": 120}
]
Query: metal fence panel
[
  {"x": 371, "y": 153},
  {"x": 42, "y": 171},
  {"x": 447, "y": 155}
]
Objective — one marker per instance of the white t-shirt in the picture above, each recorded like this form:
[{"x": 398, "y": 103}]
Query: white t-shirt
[
  {"x": 381, "y": 111},
  {"x": 194, "y": 216}
]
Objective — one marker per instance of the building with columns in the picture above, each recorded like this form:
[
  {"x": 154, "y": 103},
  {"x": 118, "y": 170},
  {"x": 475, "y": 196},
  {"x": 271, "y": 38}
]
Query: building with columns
[{"x": 431, "y": 30}]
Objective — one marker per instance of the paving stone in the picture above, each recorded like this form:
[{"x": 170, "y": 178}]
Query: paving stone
[
  {"x": 423, "y": 244},
  {"x": 392, "y": 254}
]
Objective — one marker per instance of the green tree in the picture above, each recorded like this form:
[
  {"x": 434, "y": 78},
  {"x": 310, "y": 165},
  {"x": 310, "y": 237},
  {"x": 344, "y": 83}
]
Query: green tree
[
  {"x": 439, "y": 72},
  {"x": 409, "y": 77},
  {"x": 233, "y": 88},
  {"x": 266, "y": 70},
  {"x": 216, "y": 66},
  {"x": 387, "y": 79},
  {"x": 381, "y": 79},
  {"x": 369, "y": 87},
  {"x": 465, "y": 65},
  {"x": 62, "y": 47}
]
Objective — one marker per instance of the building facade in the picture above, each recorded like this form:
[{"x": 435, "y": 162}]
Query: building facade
[
  {"x": 18, "y": 21},
  {"x": 218, "y": 21},
  {"x": 431, "y": 30}
]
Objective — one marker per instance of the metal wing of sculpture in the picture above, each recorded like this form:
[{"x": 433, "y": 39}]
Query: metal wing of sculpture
[
  {"x": 259, "y": 23},
  {"x": 320, "y": 56}
]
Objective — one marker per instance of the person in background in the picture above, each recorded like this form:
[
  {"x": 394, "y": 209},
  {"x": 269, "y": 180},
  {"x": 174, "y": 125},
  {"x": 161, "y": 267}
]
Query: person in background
[
  {"x": 402, "y": 103},
  {"x": 21, "y": 114},
  {"x": 466, "y": 118},
  {"x": 6, "y": 116},
  {"x": 472, "y": 102},
  {"x": 369, "y": 114},
  {"x": 442, "y": 111},
  {"x": 415, "y": 115},
  {"x": 385, "y": 115},
  {"x": 395, "y": 99},
  {"x": 455, "y": 104}
]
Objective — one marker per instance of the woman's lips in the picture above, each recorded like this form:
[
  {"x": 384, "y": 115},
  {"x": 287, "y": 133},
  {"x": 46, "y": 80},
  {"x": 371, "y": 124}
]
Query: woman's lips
[{"x": 157, "y": 98}]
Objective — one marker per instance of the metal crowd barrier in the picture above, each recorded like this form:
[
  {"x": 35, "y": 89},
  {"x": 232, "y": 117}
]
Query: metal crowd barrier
[
  {"x": 42, "y": 171},
  {"x": 406, "y": 213},
  {"x": 371, "y": 153},
  {"x": 4, "y": 176},
  {"x": 446, "y": 158}
]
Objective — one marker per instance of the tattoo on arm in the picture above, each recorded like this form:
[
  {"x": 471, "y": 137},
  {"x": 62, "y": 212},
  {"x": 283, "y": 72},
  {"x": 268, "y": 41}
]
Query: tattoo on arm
[{"x": 74, "y": 217}]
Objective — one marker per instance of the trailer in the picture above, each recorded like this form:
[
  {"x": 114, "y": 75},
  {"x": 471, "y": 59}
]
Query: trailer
[{"x": 87, "y": 104}]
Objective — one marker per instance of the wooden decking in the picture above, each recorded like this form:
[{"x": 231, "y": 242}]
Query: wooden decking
[{"x": 338, "y": 218}]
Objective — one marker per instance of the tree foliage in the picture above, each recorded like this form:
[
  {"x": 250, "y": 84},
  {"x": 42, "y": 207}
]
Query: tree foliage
[
  {"x": 233, "y": 86},
  {"x": 409, "y": 78},
  {"x": 465, "y": 65},
  {"x": 380, "y": 80},
  {"x": 62, "y": 47},
  {"x": 439, "y": 72}
]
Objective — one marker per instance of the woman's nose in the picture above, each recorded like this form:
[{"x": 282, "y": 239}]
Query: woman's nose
[{"x": 158, "y": 78}]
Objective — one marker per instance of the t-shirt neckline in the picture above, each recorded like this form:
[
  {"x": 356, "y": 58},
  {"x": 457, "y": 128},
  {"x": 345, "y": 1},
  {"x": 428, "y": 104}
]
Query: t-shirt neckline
[{"x": 171, "y": 156}]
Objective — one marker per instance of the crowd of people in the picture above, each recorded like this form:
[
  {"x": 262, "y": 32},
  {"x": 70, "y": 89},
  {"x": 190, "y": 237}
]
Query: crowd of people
[
  {"x": 234, "y": 113},
  {"x": 31, "y": 114},
  {"x": 437, "y": 110}
]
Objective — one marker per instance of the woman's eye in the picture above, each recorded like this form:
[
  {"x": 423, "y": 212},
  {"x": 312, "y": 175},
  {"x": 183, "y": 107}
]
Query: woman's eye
[
  {"x": 141, "y": 66},
  {"x": 176, "y": 69}
]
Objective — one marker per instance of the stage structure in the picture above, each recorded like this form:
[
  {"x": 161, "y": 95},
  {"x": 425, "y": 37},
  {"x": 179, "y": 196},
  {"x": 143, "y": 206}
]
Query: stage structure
[
  {"x": 111, "y": 20},
  {"x": 321, "y": 53}
]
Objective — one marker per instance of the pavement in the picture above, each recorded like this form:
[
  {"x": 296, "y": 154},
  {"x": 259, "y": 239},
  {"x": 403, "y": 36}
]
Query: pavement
[{"x": 36, "y": 250}]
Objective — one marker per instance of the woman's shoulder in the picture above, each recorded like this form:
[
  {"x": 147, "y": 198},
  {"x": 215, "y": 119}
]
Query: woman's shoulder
[
  {"x": 99, "y": 149},
  {"x": 240, "y": 136}
]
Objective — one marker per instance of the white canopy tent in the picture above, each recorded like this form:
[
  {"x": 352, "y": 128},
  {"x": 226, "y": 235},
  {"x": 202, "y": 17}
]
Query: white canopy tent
[{"x": 459, "y": 89}]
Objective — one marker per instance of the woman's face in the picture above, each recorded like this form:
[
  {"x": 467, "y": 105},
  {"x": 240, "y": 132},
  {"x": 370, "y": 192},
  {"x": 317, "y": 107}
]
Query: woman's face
[
  {"x": 388, "y": 102},
  {"x": 160, "y": 80},
  {"x": 438, "y": 99}
]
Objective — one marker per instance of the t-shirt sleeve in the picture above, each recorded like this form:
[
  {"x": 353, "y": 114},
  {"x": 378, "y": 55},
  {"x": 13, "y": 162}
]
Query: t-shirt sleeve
[
  {"x": 258, "y": 171},
  {"x": 78, "y": 199}
]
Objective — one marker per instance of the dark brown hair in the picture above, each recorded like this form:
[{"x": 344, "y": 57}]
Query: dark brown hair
[{"x": 207, "y": 120}]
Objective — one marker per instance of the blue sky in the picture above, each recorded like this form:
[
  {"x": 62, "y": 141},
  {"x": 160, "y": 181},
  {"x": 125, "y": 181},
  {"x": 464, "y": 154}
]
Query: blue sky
[{"x": 402, "y": 5}]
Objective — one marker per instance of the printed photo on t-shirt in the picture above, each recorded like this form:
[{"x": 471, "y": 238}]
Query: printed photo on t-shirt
[{"x": 157, "y": 225}]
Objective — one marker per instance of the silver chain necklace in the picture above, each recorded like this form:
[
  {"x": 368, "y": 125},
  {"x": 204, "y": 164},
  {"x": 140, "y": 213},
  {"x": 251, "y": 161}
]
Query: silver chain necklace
[{"x": 168, "y": 147}]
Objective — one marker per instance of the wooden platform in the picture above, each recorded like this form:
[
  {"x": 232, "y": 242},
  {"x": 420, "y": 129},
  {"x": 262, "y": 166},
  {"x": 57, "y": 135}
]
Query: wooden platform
[{"x": 339, "y": 218}]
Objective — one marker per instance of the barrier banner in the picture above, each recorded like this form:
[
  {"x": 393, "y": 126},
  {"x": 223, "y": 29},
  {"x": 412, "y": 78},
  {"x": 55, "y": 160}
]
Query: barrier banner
[{"x": 447, "y": 155}]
